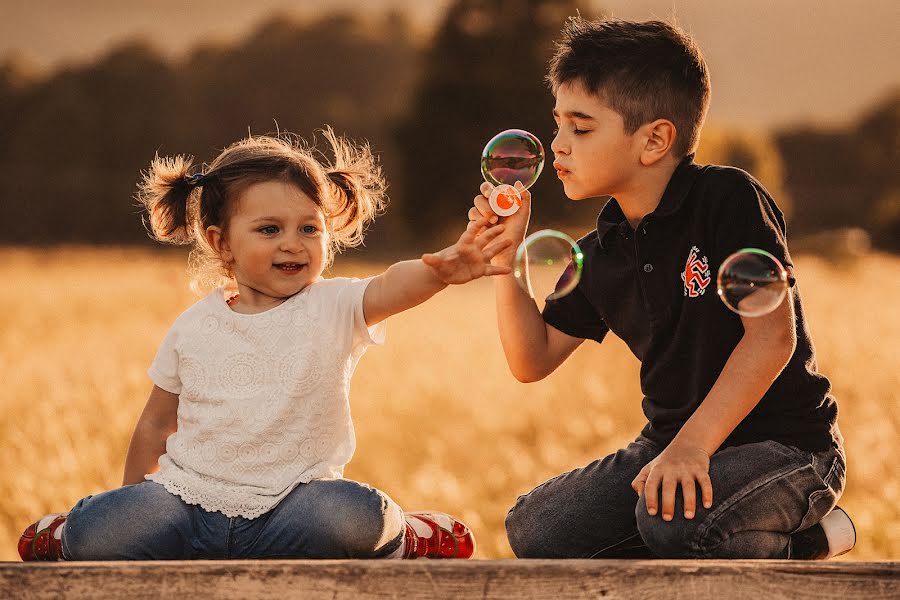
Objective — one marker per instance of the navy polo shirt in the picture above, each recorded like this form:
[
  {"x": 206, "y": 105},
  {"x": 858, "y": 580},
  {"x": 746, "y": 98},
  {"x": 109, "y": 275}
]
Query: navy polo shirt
[{"x": 654, "y": 287}]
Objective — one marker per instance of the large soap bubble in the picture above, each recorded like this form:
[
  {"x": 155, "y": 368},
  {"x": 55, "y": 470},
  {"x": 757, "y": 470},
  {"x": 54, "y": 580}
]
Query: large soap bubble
[
  {"x": 751, "y": 282},
  {"x": 510, "y": 156},
  {"x": 548, "y": 264}
]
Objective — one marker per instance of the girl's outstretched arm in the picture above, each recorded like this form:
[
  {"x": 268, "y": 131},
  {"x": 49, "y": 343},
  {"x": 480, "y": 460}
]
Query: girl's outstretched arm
[{"x": 409, "y": 283}]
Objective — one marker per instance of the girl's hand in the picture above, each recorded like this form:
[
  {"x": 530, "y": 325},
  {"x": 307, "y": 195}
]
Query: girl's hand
[
  {"x": 469, "y": 258},
  {"x": 678, "y": 464},
  {"x": 516, "y": 224}
]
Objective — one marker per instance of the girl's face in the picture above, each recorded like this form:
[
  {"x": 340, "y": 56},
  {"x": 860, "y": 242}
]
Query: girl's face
[{"x": 275, "y": 244}]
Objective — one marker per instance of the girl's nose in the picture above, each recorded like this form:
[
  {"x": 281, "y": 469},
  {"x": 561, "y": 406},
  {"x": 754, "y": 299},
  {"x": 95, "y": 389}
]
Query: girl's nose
[{"x": 291, "y": 243}]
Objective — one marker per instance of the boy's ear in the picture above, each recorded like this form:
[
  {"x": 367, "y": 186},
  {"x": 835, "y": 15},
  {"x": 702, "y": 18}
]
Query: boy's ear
[
  {"x": 216, "y": 239},
  {"x": 659, "y": 139}
]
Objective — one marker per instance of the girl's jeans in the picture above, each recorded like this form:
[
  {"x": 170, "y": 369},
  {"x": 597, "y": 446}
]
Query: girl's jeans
[
  {"x": 336, "y": 518},
  {"x": 762, "y": 493}
]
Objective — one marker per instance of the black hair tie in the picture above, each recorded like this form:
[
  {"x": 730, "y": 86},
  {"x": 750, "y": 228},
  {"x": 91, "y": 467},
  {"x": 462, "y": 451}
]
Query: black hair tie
[{"x": 196, "y": 179}]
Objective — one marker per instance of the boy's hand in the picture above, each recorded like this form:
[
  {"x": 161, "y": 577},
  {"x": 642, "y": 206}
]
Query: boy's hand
[
  {"x": 516, "y": 224},
  {"x": 678, "y": 464},
  {"x": 469, "y": 258}
]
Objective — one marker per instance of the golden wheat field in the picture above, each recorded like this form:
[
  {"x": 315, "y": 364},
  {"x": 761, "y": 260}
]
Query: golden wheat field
[{"x": 441, "y": 424}]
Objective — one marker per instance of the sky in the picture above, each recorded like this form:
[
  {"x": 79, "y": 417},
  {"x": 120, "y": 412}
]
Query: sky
[{"x": 773, "y": 62}]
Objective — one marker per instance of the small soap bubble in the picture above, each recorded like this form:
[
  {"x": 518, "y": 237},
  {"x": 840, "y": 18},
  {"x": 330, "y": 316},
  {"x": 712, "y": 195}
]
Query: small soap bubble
[
  {"x": 548, "y": 264},
  {"x": 510, "y": 156},
  {"x": 752, "y": 282}
]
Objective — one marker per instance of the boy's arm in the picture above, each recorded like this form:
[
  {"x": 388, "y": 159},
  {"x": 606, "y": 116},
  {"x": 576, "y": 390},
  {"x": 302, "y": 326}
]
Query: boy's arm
[
  {"x": 158, "y": 421},
  {"x": 409, "y": 283},
  {"x": 533, "y": 348},
  {"x": 756, "y": 361}
]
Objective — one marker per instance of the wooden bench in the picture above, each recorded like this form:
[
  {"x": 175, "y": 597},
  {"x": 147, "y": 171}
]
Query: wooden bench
[{"x": 482, "y": 579}]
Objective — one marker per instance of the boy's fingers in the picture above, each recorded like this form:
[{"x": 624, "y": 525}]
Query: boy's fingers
[
  {"x": 689, "y": 493},
  {"x": 651, "y": 494},
  {"x": 486, "y": 189},
  {"x": 706, "y": 490},
  {"x": 669, "y": 487},
  {"x": 484, "y": 207}
]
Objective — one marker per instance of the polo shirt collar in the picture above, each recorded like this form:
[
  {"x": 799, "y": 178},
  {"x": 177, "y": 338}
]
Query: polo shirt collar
[{"x": 673, "y": 198}]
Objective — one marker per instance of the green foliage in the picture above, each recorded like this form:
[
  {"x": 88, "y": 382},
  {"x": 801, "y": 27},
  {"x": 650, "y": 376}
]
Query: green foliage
[
  {"x": 74, "y": 144},
  {"x": 754, "y": 152},
  {"x": 484, "y": 73},
  {"x": 847, "y": 177}
]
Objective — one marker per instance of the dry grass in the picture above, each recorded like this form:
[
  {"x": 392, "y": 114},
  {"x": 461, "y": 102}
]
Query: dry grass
[{"x": 440, "y": 422}]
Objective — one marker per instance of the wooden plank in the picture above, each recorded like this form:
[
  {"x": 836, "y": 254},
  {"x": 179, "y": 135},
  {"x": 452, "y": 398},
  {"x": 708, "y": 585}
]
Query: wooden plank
[{"x": 477, "y": 579}]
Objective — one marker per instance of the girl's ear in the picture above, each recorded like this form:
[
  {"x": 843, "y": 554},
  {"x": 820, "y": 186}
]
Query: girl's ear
[
  {"x": 659, "y": 138},
  {"x": 216, "y": 239}
]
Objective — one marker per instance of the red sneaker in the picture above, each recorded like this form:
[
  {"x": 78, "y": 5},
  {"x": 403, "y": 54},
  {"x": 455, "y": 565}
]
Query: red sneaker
[
  {"x": 437, "y": 535},
  {"x": 41, "y": 540}
]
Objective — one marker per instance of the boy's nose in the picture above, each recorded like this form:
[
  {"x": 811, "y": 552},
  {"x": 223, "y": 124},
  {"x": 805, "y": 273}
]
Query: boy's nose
[{"x": 557, "y": 146}]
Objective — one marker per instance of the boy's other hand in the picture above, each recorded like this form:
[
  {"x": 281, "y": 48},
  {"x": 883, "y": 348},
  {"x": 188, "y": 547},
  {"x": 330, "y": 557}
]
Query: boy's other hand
[
  {"x": 470, "y": 257},
  {"x": 516, "y": 224},
  {"x": 678, "y": 464}
]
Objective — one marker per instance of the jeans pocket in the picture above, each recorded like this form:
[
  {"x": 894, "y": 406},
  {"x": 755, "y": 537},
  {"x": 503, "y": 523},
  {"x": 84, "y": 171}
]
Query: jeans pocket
[{"x": 822, "y": 500}]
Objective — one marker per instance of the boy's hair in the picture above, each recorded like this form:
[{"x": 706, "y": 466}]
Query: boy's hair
[
  {"x": 643, "y": 71},
  {"x": 350, "y": 191}
]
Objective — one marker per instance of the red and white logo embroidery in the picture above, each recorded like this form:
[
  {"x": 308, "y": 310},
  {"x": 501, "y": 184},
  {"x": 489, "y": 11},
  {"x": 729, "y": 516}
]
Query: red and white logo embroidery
[{"x": 696, "y": 274}]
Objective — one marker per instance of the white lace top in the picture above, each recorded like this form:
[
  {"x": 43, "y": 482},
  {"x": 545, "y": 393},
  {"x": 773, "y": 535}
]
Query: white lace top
[{"x": 263, "y": 399}]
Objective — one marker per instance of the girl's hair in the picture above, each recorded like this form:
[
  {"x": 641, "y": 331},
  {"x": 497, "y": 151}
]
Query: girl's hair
[{"x": 350, "y": 191}]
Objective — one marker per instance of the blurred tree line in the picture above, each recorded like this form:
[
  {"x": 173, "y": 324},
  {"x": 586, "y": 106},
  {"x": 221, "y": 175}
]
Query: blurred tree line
[{"x": 72, "y": 145}]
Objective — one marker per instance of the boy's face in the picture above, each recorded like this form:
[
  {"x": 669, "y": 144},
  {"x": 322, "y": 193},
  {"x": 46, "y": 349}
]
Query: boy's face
[{"x": 593, "y": 155}]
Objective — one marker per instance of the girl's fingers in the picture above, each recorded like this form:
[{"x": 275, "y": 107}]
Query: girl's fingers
[
  {"x": 488, "y": 235},
  {"x": 496, "y": 270},
  {"x": 486, "y": 189},
  {"x": 496, "y": 249}
]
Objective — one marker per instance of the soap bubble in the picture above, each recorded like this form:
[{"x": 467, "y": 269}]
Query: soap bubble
[
  {"x": 548, "y": 264},
  {"x": 510, "y": 156},
  {"x": 751, "y": 282}
]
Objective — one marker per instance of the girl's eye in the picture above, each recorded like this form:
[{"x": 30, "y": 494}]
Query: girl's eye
[
  {"x": 555, "y": 131},
  {"x": 577, "y": 131},
  {"x": 269, "y": 229},
  {"x": 310, "y": 229}
]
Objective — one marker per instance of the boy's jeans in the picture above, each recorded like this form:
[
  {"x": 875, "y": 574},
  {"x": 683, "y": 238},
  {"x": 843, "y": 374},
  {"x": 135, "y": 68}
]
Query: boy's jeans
[
  {"x": 336, "y": 518},
  {"x": 762, "y": 493}
]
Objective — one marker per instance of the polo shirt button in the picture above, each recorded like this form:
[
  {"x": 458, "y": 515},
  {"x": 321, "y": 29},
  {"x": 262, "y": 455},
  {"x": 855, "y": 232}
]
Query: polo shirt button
[{"x": 648, "y": 267}]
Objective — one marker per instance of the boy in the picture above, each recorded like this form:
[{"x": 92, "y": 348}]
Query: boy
[{"x": 735, "y": 405}]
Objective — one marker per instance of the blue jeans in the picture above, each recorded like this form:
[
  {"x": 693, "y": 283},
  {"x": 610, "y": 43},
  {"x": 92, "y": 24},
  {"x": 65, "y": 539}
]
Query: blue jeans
[
  {"x": 762, "y": 493},
  {"x": 336, "y": 518}
]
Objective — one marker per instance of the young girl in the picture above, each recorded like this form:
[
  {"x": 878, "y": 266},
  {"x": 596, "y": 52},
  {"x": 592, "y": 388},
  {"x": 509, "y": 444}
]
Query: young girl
[{"x": 240, "y": 450}]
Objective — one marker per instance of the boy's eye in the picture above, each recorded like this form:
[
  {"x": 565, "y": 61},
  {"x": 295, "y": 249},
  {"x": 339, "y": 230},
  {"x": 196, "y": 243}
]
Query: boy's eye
[
  {"x": 310, "y": 229},
  {"x": 555, "y": 131},
  {"x": 269, "y": 229},
  {"x": 577, "y": 131}
]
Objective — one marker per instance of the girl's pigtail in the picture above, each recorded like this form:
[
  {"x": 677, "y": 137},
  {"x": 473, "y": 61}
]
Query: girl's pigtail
[
  {"x": 166, "y": 191},
  {"x": 359, "y": 188}
]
